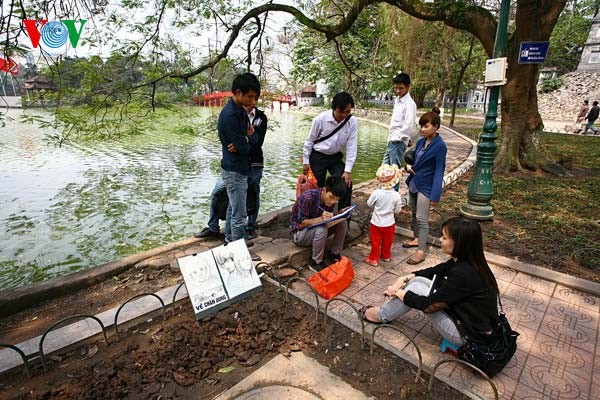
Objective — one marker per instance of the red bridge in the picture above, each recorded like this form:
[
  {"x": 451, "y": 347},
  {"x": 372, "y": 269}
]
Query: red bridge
[{"x": 219, "y": 98}]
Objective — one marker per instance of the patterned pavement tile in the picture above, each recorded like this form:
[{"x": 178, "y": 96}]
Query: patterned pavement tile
[
  {"x": 402, "y": 269},
  {"x": 571, "y": 325},
  {"x": 526, "y": 393},
  {"x": 356, "y": 253},
  {"x": 515, "y": 366},
  {"x": 520, "y": 315},
  {"x": 366, "y": 272},
  {"x": 502, "y": 286},
  {"x": 369, "y": 295},
  {"x": 385, "y": 280},
  {"x": 553, "y": 380},
  {"x": 573, "y": 296},
  {"x": 502, "y": 273},
  {"x": 551, "y": 349},
  {"x": 537, "y": 284},
  {"x": 480, "y": 386},
  {"x": 356, "y": 285},
  {"x": 595, "y": 390},
  {"x": 525, "y": 339},
  {"x": 527, "y": 298}
]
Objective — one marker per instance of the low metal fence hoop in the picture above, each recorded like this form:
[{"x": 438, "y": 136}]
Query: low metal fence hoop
[
  {"x": 456, "y": 360},
  {"x": 297, "y": 278},
  {"x": 133, "y": 298},
  {"x": 362, "y": 323},
  {"x": 51, "y": 327},
  {"x": 175, "y": 294},
  {"x": 22, "y": 354},
  {"x": 378, "y": 327}
]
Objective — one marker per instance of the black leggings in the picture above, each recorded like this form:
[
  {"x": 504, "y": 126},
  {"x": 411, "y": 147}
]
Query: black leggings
[{"x": 321, "y": 164}]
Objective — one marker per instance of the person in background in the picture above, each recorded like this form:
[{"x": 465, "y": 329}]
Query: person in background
[
  {"x": 425, "y": 182},
  {"x": 235, "y": 129},
  {"x": 385, "y": 202},
  {"x": 402, "y": 123},
  {"x": 258, "y": 121},
  {"x": 323, "y": 152},
  {"x": 583, "y": 111},
  {"x": 458, "y": 296},
  {"x": 591, "y": 118},
  {"x": 313, "y": 207}
]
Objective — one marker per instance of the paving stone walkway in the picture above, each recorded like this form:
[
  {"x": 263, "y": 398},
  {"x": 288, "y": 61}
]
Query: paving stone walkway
[{"x": 558, "y": 354}]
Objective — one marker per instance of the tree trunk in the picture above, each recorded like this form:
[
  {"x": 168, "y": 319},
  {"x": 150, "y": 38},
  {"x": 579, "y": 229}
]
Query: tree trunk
[{"x": 522, "y": 124}]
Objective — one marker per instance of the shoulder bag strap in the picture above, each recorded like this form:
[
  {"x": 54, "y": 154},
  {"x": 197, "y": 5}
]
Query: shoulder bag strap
[{"x": 340, "y": 126}]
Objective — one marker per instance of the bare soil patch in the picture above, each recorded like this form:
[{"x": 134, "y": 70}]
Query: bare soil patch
[{"x": 182, "y": 360}]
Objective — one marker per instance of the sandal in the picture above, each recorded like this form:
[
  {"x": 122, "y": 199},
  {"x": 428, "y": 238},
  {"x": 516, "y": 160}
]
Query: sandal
[
  {"x": 408, "y": 245},
  {"x": 412, "y": 261},
  {"x": 362, "y": 313}
]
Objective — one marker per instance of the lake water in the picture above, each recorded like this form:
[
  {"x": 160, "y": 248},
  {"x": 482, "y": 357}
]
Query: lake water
[{"x": 66, "y": 208}]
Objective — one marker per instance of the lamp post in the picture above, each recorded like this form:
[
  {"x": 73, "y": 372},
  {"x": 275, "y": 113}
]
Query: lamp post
[{"x": 481, "y": 187}]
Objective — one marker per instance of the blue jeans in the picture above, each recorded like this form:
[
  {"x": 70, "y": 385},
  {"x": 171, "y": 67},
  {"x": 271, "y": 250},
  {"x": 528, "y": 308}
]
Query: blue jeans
[
  {"x": 213, "y": 219},
  {"x": 254, "y": 177},
  {"x": 394, "y": 154},
  {"x": 590, "y": 127},
  {"x": 442, "y": 323},
  {"x": 237, "y": 187}
]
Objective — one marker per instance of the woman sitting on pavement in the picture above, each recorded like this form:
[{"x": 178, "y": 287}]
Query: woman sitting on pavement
[
  {"x": 458, "y": 296},
  {"x": 425, "y": 181}
]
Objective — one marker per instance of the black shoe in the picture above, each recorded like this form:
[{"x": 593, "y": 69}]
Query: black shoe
[
  {"x": 206, "y": 233},
  {"x": 315, "y": 266},
  {"x": 332, "y": 258},
  {"x": 251, "y": 233}
]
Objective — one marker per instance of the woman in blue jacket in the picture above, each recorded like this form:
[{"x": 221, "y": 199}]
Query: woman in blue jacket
[{"x": 425, "y": 181}]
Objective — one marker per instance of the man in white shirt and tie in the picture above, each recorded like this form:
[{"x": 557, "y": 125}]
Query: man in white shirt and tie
[
  {"x": 332, "y": 132},
  {"x": 402, "y": 123}
]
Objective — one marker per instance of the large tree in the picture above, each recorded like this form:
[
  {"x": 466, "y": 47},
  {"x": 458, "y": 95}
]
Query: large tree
[{"x": 534, "y": 20}]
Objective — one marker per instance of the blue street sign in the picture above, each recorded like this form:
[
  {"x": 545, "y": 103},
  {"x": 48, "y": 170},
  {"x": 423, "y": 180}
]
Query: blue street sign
[{"x": 533, "y": 52}]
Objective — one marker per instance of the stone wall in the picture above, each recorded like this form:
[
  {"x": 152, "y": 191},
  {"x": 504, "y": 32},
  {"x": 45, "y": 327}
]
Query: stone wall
[{"x": 564, "y": 103}]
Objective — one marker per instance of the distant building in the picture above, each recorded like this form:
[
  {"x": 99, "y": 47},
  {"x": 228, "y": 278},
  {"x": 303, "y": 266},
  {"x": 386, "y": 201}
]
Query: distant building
[
  {"x": 37, "y": 83},
  {"x": 308, "y": 96},
  {"x": 590, "y": 58}
]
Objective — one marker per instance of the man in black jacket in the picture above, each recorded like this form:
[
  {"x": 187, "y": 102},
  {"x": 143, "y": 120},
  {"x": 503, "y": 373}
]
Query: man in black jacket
[
  {"x": 258, "y": 123},
  {"x": 591, "y": 118}
]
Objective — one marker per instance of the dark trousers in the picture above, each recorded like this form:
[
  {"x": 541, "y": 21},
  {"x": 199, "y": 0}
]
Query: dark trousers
[{"x": 321, "y": 164}]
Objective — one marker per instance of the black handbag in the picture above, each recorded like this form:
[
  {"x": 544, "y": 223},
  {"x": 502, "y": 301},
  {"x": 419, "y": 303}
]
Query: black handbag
[
  {"x": 492, "y": 358},
  {"x": 409, "y": 156}
]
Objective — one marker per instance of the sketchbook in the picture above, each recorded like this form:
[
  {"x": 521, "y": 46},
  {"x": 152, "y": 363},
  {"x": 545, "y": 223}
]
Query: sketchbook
[
  {"x": 341, "y": 215},
  {"x": 219, "y": 277}
]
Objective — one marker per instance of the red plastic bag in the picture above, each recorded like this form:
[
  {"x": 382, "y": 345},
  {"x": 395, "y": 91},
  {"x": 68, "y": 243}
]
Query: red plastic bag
[
  {"x": 332, "y": 280},
  {"x": 305, "y": 182}
]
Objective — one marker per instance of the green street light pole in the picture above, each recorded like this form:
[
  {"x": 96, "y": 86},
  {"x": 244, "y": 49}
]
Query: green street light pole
[{"x": 481, "y": 188}]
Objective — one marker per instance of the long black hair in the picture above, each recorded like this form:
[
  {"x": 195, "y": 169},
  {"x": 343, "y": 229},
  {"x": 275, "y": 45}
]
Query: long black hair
[{"x": 468, "y": 246}]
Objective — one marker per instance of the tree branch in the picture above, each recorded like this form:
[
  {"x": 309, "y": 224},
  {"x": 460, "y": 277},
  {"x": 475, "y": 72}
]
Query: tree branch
[{"x": 474, "y": 19}]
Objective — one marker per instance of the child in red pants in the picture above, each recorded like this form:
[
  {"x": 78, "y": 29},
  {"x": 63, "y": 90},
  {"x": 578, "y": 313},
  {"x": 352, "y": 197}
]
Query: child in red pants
[{"x": 385, "y": 202}]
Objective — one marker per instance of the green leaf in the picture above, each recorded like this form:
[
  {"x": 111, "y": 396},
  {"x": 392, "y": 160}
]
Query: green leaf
[{"x": 225, "y": 370}]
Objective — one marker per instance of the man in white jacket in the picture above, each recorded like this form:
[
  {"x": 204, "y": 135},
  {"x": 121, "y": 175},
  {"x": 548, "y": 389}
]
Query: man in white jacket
[{"x": 402, "y": 123}]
